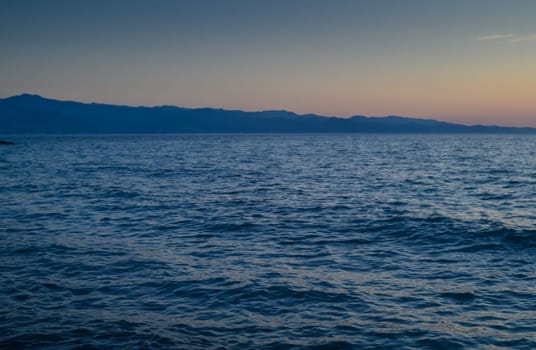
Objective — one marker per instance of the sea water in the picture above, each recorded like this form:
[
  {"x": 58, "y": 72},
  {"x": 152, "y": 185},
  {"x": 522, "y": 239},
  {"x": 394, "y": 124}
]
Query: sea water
[{"x": 268, "y": 242}]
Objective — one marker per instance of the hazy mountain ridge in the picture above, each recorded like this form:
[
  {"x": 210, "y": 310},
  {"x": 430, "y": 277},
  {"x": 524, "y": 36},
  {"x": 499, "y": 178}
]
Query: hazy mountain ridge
[{"x": 34, "y": 114}]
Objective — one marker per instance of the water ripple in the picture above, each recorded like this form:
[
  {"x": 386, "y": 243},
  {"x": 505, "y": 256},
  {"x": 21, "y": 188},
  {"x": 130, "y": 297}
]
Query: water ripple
[{"x": 268, "y": 242}]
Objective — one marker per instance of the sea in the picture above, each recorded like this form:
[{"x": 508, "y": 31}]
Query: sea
[{"x": 268, "y": 241}]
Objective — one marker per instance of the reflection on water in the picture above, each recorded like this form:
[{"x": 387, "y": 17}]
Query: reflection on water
[{"x": 268, "y": 241}]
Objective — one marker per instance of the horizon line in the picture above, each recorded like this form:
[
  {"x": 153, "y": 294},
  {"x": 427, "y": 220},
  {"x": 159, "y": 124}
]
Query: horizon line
[{"x": 268, "y": 110}]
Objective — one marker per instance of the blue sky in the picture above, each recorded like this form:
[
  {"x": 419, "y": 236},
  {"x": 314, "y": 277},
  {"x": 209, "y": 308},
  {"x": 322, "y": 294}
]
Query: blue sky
[{"x": 470, "y": 61}]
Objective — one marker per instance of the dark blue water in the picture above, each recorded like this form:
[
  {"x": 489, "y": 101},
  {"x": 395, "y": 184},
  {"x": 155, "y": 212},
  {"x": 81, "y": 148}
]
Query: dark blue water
[{"x": 268, "y": 242}]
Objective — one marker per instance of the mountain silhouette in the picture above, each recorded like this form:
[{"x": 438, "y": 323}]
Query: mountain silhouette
[{"x": 34, "y": 114}]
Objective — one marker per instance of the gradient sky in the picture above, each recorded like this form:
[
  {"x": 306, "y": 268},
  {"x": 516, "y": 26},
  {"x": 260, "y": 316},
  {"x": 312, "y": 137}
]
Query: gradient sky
[{"x": 469, "y": 61}]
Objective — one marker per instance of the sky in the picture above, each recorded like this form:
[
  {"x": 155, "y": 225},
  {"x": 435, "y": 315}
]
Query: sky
[{"x": 467, "y": 61}]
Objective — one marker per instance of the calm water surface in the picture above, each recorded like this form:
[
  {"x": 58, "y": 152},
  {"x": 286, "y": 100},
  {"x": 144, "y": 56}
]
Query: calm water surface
[{"x": 268, "y": 242}]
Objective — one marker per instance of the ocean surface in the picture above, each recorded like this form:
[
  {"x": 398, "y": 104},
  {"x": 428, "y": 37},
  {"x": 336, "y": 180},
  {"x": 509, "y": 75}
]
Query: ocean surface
[{"x": 268, "y": 242}]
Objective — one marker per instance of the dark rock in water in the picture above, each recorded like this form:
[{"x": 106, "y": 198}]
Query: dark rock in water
[{"x": 2, "y": 142}]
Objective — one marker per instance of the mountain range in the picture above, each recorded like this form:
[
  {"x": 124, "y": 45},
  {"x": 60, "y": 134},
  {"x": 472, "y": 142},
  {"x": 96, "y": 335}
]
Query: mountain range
[{"x": 35, "y": 114}]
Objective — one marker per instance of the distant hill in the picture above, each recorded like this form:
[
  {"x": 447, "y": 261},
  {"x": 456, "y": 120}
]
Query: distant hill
[{"x": 35, "y": 114}]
